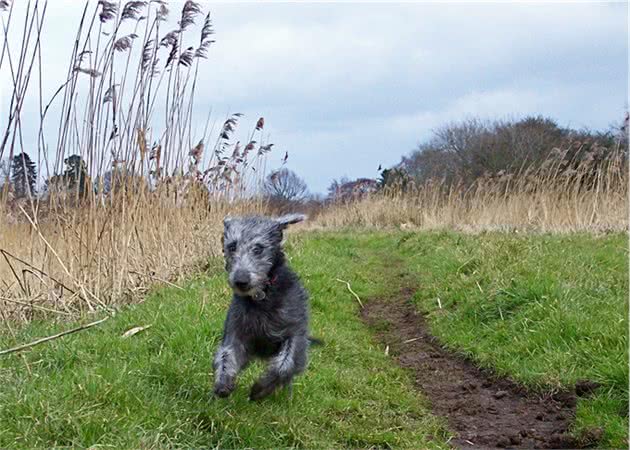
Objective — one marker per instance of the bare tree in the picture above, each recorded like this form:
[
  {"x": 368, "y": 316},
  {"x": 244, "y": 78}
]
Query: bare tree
[
  {"x": 5, "y": 171},
  {"x": 285, "y": 185},
  {"x": 464, "y": 151}
]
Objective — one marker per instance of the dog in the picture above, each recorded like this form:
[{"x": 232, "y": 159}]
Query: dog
[{"x": 268, "y": 317}]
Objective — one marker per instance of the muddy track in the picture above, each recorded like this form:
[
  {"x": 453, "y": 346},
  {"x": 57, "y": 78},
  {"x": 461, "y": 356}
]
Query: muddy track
[{"x": 483, "y": 411}]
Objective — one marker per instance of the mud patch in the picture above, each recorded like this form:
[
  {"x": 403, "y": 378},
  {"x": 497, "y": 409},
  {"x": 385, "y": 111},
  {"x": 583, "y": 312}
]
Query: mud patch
[{"x": 484, "y": 411}]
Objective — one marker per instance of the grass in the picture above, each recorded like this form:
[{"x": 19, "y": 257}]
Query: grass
[
  {"x": 105, "y": 257},
  {"x": 153, "y": 389},
  {"x": 574, "y": 189},
  {"x": 545, "y": 310},
  {"x": 535, "y": 201}
]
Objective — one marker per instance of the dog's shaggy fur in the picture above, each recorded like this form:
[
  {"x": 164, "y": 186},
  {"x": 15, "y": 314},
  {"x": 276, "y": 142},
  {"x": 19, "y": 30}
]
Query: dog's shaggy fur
[{"x": 268, "y": 316}]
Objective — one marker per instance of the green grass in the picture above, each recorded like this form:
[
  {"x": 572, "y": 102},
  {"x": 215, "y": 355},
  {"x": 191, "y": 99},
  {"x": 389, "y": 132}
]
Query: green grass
[
  {"x": 153, "y": 389},
  {"x": 544, "y": 310}
]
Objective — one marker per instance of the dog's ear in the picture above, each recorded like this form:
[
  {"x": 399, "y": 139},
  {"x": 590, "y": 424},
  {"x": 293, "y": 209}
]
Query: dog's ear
[
  {"x": 289, "y": 219},
  {"x": 227, "y": 221}
]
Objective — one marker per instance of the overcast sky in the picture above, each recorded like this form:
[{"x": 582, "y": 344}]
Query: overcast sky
[{"x": 346, "y": 87}]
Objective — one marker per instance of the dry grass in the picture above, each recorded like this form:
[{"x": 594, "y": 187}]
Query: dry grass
[
  {"x": 557, "y": 197},
  {"x": 98, "y": 258},
  {"x": 128, "y": 194}
]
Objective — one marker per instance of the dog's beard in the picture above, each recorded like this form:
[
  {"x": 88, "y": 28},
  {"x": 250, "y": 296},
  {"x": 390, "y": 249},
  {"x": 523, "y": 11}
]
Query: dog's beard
[
  {"x": 256, "y": 289},
  {"x": 256, "y": 294}
]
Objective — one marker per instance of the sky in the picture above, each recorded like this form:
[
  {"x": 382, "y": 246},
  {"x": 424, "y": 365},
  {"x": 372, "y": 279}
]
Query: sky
[{"x": 346, "y": 87}]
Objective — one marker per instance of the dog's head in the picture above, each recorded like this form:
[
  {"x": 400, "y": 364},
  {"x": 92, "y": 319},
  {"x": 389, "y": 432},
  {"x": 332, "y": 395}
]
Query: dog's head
[{"x": 252, "y": 246}]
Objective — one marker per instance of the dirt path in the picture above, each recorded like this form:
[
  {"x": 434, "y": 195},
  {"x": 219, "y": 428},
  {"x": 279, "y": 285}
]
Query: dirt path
[{"x": 482, "y": 410}]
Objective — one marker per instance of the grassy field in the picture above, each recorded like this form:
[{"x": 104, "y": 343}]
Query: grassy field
[
  {"x": 545, "y": 310},
  {"x": 154, "y": 389}
]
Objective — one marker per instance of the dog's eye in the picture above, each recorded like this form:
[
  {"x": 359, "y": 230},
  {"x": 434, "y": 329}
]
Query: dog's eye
[
  {"x": 258, "y": 249},
  {"x": 231, "y": 247}
]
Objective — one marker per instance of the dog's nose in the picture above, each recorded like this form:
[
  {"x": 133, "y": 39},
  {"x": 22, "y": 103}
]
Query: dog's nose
[{"x": 241, "y": 280}]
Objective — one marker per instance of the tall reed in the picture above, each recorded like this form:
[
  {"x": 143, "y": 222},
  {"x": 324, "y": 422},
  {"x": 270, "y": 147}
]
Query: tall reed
[
  {"x": 584, "y": 193},
  {"x": 128, "y": 194}
]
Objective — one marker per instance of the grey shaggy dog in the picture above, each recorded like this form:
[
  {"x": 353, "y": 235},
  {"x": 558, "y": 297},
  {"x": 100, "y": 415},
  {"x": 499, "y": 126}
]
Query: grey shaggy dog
[{"x": 268, "y": 316}]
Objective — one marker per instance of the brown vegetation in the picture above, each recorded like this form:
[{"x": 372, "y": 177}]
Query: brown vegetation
[
  {"x": 564, "y": 194},
  {"x": 127, "y": 195}
]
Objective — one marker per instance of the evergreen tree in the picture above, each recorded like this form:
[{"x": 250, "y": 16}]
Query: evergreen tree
[
  {"x": 24, "y": 175},
  {"x": 76, "y": 175},
  {"x": 394, "y": 177}
]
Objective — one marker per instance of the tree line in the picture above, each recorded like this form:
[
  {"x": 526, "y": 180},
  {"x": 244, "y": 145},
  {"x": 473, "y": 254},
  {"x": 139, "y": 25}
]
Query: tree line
[
  {"x": 460, "y": 152},
  {"x": 465, "y": 151},
  {"x": 19, "y": 177}
]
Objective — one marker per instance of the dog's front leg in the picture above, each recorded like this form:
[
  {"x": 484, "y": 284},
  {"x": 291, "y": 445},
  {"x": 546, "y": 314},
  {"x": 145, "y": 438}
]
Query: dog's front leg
[
  {"x": 229, "y": 359},
  {"x": 290, "y": 361}
]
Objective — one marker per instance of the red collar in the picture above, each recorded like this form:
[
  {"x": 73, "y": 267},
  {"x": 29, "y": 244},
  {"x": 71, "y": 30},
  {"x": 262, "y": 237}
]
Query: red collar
[{"x": 273, "y": 280}]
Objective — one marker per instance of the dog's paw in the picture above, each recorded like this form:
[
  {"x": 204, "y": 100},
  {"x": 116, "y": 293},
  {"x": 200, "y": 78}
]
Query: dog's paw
[
  {"x": 259, "y": 391},
  {"x": 223, "y": 390}
]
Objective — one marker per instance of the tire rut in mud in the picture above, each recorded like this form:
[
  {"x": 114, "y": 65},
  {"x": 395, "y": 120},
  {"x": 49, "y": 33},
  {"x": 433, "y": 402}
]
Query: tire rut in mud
[{"x": 483, "y": 411}]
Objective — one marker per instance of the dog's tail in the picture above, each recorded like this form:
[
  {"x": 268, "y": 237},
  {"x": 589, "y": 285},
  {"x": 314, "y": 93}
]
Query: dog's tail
[{"x": 315, "y": 342}]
